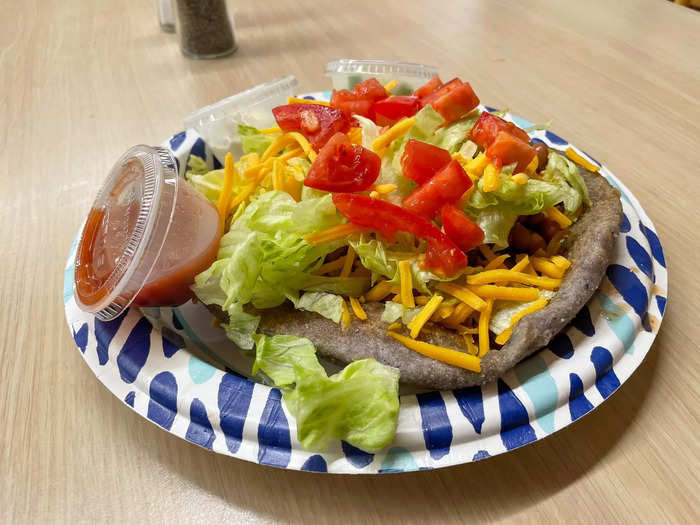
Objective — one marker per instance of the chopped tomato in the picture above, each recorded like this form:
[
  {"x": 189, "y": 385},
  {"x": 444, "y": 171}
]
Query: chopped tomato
[
  {"x": 420, "y": 160},
  {"x": 360, "y": 100},
  {"x": 318, "y": 123},
  {"x": 445, "y": 187},
  {"x": 442, "y": 255},
  {"x": 389, "y": 110},
  {"x": 343, "y": 166},
  {"x": 460, "y": 228},
  {"x": 507, "y": 149},
  {"x": 488, "y": 126},
  {"x": 453, "y": 100},
  {"x": 426, "y": 89}
]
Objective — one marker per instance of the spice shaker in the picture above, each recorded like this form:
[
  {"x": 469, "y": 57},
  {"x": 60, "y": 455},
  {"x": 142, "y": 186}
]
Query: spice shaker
[
  {"x": 205, "y": 29},
  {"x": 166, "y": 15}
]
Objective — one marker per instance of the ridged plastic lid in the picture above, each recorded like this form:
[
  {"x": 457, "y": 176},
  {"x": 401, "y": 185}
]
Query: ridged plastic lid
[
  {"x": 380, "y": 67},
  {"x": 144, "y": 182},
  {"x": 242, "y": 102}
]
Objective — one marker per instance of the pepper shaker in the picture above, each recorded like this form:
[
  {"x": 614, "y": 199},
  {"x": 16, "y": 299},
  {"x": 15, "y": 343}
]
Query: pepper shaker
[{"x": 205, "y": 28}]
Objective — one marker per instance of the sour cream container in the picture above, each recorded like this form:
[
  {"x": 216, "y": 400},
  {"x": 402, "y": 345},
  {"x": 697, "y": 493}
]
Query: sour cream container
[{"x": 346, "y": 72}]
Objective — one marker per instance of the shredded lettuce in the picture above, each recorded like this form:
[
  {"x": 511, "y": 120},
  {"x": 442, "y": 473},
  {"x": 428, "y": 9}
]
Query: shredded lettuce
[
  {"x": 503, "y": 311},
  {"x": 370, "y": 131},
  {"x": 496, "y": 212},
  {"x": 359, "y": 404},
  {"x": 263, "y": 259},
  {"x": 451, "y": 137},
  {"x": 252, "y": 141},
  {"x": 395, "y": 311},
  {"x": 328, "y": 305}
]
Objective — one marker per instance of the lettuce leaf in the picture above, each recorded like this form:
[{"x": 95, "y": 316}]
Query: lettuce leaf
[
  {"x": 359, "y": 404},
  {"x": 263, "y": 259},
  {"x": 451, "y": 137},
  {"x": 328, "y": 305},
  {"x": 504, "y": 310},
  {"x": 252, "y": 140}
]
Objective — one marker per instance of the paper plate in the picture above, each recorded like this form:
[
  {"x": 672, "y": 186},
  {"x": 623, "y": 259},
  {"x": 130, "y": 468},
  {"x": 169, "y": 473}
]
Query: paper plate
[{"x": 166, "y": 365}]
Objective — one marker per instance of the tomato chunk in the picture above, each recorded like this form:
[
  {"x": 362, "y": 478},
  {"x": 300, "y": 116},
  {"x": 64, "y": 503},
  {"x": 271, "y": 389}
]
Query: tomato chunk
[
  {"x": 343, "y": 166},
  {"x": 442, "y": 256},
  {"x": 318, "y": 123},
  {"x": 445, "y": 187},
  {"x": 453, "y": 100},
  {"x": 507, "y": 149},
  {"x": 460, "y": 228},
  {"x": 389, "y": 110},
  {"x": 426, "y": 89},
  {"x": 420, "y": 160},
  {"x": 361, "y": 99},
  {"x": 488, "y": 126}
]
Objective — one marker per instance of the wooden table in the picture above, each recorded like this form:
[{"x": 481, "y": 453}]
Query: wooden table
[{"x": 82, "y": 81}]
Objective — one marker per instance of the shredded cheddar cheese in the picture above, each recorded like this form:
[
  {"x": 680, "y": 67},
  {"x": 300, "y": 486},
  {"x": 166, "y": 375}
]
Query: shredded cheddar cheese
[
  {"x": 476, "y": 166},
  {"x": 492, "y": 276},
  {"x": 439, "y": 353},
  {"x": 579, "y": 159},
  {"x": 271, "y": 131},
  {"x": 520, "y": 178},
  {"x": 532, "y": 167},
  {"x": 394, "y": 326},
  {"x": 554, "y": 214},
  {"x": 406, "y": 284},
  {"x": 443, "y": 312},
  {"x": 492, "y": 178},
  {"x": 391, "y": 85},
  {"x": 379, "y": 291},
  {"x": 463, "y": 294},
  {"x": 345, "y": 319},
  {"x": 503, "y": 337},
  {"x": 222, "y": 207},
  {"x": 373, "y": 194},
  {"x": 277, "y": 175},
  {"x": 383, "y": 189},
  {"x": 421, "y": 300},
  {"x": 521, "y": 264},
  {"x": 416, "y": 325},
  {"x": 355, "y": 135},
  {"x": 505, "y": 293},
  {"x": 460, "y": 314},
  {"x": 497, "y": 262},
  {"x": 547, "y": 268},
  {"x": 348, "y": 262},
  {"x": 471, "y": 347},
  {"x": 487, "y": 252},
  {"x": 335, "y": 233},
  {"x": 295, "y": 100},
  {"x": 484, "y": 319},
  {"x": 555, "y": 243},
  {"x": 357, "y": 309},
  {"x": 394, "y": 132},
  {"x": 561, "y": 261},
  {"x": 332, "y": 266}
]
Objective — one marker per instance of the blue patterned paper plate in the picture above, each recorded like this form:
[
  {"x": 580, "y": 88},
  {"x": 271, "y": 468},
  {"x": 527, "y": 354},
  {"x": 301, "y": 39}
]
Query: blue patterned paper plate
[{"x": 166, "y": 365}]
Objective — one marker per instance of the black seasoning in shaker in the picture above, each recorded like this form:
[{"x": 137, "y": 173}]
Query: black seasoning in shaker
[{"x": 204, "y": 28}]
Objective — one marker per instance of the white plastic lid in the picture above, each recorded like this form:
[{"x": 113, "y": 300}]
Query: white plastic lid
[{"x": 352, "y": 66}]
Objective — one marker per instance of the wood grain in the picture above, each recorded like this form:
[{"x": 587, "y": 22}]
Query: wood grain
[{"x": 82, "y": 81}]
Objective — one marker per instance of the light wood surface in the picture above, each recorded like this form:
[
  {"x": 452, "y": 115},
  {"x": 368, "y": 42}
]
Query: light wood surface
[{"x": 80, "y": 81}]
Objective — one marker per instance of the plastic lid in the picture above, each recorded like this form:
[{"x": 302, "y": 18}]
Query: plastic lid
[
  {"x": 125, "y": 231},
  {"x": 242, "y": 102},
  {"x": 380, "y": 67}
]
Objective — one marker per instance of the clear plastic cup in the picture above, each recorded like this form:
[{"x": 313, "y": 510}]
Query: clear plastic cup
[
  {"x": 346, "y": 72},
  {"x": 147, "y": 235},
  {"x": 218, "y": 122}
]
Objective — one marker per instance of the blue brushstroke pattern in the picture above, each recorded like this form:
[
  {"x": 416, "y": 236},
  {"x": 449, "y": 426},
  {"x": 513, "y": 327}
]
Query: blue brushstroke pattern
[
  {"x": 199, "y": 431},
  {"x": 398, "y": 459},
  {"x": 631, "y": 289},
  {"x": 515, "y": 422},
  {"x": 200, "y": 371},
  {"x": 199, "y": 149},
  {"x": 315, "y": 463},
  {"x": 578, "y": 403},
  {"x": 661, "y": 303},
  {"x": 481, "y": 454},
  {"x": 104, "y": 333},
  {"x": 654, "y": 243},
  {"x": 129, "y": 398},
  {"x": 68, "y": 283},
  {"x": 606, "y": 381},
  {"x": 561, "y": 346},
  {"x": 625, "y": 226},
  {"x": 583, "y": 322},
  {"x": 172, "y": 341},
  {"x": 234, "y": 401},
  {"x": 490, "y": 109},
  {"x": 538, "y": 383},
  {"x": 555, "y": 139},
  {"x": 81, "y": 336},
  {"x": 640, "y": 257},
  {"x": 471, "y": 404},
  {"x": 162, "y": 405},
  {"x": 619, "y": 322},
  {"x": 437, "y": 430},
  {"x": 217, "y": 162},
  {"x": 275, "y": 447},
  {"x": 356, "y": 457},
  {"x": 134, "y": 353},
  {"x": 177, "y": 140}
]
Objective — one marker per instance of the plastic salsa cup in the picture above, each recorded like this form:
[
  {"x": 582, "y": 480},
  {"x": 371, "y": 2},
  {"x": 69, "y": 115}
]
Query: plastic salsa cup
[{"x": 147, "y": 235}]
